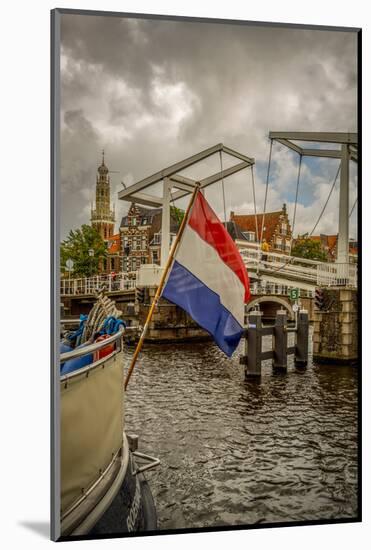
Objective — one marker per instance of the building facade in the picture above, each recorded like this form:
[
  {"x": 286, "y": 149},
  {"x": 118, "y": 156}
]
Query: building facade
[
  {"x": 103, "y": 220},
  {"x": 112, "y": 264},
  {"x": 140, "y": 237},
  {"x": 276, "y": 230},
  {"x": 103, "y": 216}
]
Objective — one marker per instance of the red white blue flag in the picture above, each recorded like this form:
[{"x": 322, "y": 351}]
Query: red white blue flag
[{"x": 208, "y": 278}]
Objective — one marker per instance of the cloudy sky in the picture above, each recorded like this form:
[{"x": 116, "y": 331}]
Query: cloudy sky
[{"x": 152, "y": 93}]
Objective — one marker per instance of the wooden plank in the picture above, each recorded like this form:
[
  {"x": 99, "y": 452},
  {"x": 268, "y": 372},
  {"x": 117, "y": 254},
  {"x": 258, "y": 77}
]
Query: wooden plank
[{"x": 266, "y": 355}]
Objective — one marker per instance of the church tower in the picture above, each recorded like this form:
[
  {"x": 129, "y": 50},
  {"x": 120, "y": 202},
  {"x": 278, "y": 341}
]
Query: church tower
[{"x": 102, "y": 217}]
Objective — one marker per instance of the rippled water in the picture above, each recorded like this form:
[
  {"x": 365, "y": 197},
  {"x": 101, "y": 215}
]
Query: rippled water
[{"x": 235, "y": 452}]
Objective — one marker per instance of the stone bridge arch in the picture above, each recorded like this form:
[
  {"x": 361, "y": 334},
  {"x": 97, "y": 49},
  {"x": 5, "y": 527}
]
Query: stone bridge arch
[{"x": 270, "y": 304}]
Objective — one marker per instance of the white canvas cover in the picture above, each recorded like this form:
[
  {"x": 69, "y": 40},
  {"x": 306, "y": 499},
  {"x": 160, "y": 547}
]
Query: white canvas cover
[{"x": 91, "y": 426}]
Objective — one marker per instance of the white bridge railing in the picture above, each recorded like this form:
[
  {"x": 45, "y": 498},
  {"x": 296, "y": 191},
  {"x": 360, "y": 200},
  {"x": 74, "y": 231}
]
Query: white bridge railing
[
  {"x": 90, "y": 285},
  {"x": 334, "y": 274},
  {"x": 282, "y": 265},
  {"x": 265, "y": 288},
  {"x": 278, "y": 266}
]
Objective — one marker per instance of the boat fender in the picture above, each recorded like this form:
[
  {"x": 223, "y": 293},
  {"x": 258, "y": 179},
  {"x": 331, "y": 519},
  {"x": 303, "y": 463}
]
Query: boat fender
[
  {"x": 77, "y": 363},
  {"x": 63, "y": 348},
  {"x": 107, "y": 350}
]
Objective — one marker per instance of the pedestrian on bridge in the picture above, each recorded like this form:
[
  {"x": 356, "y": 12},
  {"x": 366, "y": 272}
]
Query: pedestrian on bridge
[{"x": 265, "y": 250}]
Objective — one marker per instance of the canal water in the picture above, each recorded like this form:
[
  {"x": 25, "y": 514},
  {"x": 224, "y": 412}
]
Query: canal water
[{"x": 234, "y": 452}]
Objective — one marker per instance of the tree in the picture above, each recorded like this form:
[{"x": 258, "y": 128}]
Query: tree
[
  {"x": 307, "y": 248},
  {"x": 177, "y": 214},
  {"x": 76, "y": 247}
]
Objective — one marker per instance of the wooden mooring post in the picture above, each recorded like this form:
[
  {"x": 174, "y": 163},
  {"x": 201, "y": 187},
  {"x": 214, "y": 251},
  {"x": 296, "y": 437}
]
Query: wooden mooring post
[
  {"x": 254, "y": 354},
  {"x": 280, "y": 341},
  {"x": 253, "y": 345},
  {"x": 302, "y": 338}
]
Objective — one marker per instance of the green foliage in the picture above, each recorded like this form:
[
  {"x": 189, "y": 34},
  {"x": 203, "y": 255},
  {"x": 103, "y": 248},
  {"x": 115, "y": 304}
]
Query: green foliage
[
  {"x": 305, "y": 247},
  {"x": 76, "y": 247},
  {"x": 177, "y": 214}
]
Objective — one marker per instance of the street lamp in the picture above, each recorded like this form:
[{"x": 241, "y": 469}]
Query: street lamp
[{"x": 91, "y": 255}]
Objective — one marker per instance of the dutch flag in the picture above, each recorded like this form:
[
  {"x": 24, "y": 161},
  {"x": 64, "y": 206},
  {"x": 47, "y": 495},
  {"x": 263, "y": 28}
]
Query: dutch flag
[{"x": 208, "y": 278}]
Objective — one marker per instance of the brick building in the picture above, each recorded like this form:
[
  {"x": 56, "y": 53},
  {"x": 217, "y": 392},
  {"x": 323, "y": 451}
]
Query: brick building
[
  {"x": 113, "y": 260},
  {"x": 276, "y": 230},
  {"x": 103, "y": 216},
  {"x": 103, "y": 220},
  {"x": 140, "y": 237}
]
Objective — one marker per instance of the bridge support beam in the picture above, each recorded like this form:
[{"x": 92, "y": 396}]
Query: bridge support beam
[
  {"x": 165, "y": 222},
  {"x": 343, "y": 239}
]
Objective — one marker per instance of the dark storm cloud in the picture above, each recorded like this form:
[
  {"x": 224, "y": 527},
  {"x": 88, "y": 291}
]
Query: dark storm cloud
[{"x": 154, "y": 92}]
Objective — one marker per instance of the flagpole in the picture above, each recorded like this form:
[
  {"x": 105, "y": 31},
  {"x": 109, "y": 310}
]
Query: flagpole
[{"x": 161, "y": 284}]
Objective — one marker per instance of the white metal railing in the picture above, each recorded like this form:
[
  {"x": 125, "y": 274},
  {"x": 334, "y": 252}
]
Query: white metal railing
[
  {"x": 337, "y": 274},
  {"x": 90, "y": 285},
  {"x": 281, "y": 265},
  {"x": 265, "y": 287}
]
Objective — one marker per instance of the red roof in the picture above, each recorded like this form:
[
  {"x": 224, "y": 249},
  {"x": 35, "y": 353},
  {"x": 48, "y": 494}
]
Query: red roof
[
  {"x": 330, "y": 242},
  {"x": 248, "y": 223},
  {"x": 114, "y": 244}
]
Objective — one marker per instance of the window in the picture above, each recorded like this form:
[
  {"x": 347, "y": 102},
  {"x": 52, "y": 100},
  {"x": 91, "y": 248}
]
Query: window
[
  {"x": 144, "y": 222},
  {"x": 155, "y": 256},
  {"x": 284, "y": 228},
  {"x": 133, "y": 221},
  {"x": 143, "y": 243},
  {"x": 157, "y": 238},
  {"x": 250, "y": 236}
]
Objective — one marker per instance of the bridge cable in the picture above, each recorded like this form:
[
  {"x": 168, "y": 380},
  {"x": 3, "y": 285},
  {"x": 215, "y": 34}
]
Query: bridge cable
[
  {"x": 328, "y": 198},
  {"x": 264, "y": 208},
  {"x": 221, "y": 173},
  {"x": 254, "y": 198},
  {"x": 266, "y": 190},
  {"x": 296, "y": 199},
  {"x": 351, "y": 212},
  {"x": 294, "y": 217}
]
